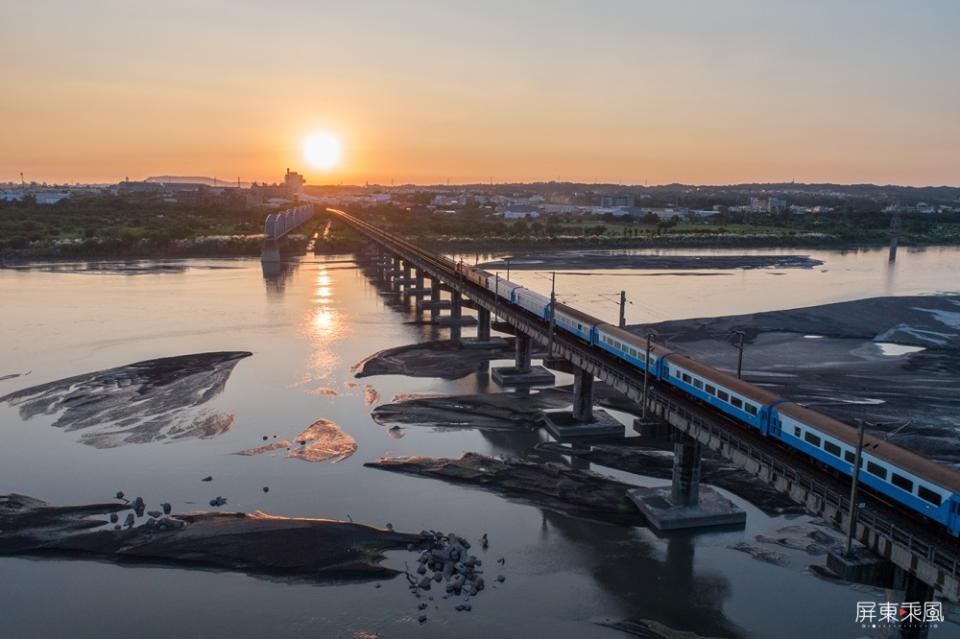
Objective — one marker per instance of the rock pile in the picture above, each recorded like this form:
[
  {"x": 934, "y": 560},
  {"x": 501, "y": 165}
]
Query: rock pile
[{"x": 446, "y": 563}]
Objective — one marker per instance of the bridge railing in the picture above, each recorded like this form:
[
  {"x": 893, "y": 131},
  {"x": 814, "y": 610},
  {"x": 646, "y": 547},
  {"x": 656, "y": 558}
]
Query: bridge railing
[{"x": 279, "y": 224}]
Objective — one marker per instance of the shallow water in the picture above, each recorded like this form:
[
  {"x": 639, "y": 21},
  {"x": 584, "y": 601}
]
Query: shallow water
[{"x": 306, "y": 326}]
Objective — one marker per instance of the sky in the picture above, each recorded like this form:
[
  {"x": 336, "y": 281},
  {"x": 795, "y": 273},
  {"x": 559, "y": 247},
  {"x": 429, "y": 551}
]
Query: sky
[{"x": 629, "y": 91}]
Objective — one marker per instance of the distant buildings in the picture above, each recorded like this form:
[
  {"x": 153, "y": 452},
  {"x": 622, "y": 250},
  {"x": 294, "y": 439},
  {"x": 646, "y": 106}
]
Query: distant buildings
[
  {"x": 293, "y": 182},
  {"x": 617, "y": 201},
  {"x": 767, "y": 205},
  {"x": 519, "y": 211}
]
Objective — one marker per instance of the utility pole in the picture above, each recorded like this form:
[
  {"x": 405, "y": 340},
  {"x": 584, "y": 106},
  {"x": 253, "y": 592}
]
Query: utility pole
[
  {"x": 623, "y": 309},
  {"x": 854, "y": 484},
  {"x": 646, "y": 373},
  {"x": 553, "y": 311},
  {"x": 508, "y": 268},
  {"x": 740, "y": 335},
  {"x": 496, "y": 296},
  {"x": 21, "y": 178}
]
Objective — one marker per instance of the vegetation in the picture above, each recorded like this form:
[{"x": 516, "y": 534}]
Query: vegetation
[
  {"x": 111, "y": 226},
  {"x": 837, "y": 228}
]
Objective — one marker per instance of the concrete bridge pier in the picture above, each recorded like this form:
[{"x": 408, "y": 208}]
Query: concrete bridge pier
[
  {"x": 270, "y": 251},
  {"x": 582, "y": 421},
  {"x": 483, "y": 324},
  {"x": 483, "y": 338},
  {"x": 523, "y": 373},
  {"x": 418, "y": 289},
  {"x": 435, "y": 303},
  {"x": 685, "y": 503},
  {"x": 455, "y": 320}
]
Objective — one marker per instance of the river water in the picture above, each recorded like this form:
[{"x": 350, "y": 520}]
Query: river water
[{"x": 306, "y": 327}]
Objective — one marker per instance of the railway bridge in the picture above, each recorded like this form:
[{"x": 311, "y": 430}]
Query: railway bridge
[
  {"x": 279, "y": 224},
  {"x": 921, "y": 561}
]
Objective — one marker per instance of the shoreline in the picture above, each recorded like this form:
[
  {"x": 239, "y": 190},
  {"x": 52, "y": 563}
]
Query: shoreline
[{"x": 529, "y": 246}]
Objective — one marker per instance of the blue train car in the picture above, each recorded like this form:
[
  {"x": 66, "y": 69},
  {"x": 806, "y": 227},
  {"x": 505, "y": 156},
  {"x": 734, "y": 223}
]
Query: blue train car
[
  {"x": 532, "y": 301},
  {"x": 576, "y": 322},
  {"x": 630, "y": 348},
  {"x": 918, "y": 483},
  {"x": 503, "y": 288},
  {"x": 737, "y": 398}
]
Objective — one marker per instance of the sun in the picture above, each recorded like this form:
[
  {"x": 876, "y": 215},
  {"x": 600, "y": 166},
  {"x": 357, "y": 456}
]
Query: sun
[{"x": 321, "y": 150}]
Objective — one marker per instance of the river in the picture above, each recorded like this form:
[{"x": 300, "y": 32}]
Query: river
[{"x": 306, "y": 326}]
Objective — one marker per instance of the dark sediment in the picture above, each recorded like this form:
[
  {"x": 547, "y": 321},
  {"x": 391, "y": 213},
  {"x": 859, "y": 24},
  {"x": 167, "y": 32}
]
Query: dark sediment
[
  {"x": 254, "y": 543},
  {"x": 495, "y": 411},
  {"x": 827, "y": 357},
  {"x": 149, "y": 401},
  {"x": 445, "y": 359},
  {"x": 653, "y": 462},
  {"x": 553, "y": 486},
  {"x": 512, "y": 412},
  {"x": 605, "y": 260}
]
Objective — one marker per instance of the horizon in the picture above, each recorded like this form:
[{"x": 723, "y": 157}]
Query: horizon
[{"x": 620, "y": 93}]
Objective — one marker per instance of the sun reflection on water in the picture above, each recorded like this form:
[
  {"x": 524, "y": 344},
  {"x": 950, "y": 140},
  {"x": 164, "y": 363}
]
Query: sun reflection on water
[{"x": 323, "y": 325}]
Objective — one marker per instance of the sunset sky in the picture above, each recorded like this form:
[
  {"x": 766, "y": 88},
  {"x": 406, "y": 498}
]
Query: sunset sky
[{"x": 626, "y": 91}]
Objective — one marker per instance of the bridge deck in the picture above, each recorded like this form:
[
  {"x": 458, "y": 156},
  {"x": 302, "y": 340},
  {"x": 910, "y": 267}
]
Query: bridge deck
[{"x": 897, "y": 535}]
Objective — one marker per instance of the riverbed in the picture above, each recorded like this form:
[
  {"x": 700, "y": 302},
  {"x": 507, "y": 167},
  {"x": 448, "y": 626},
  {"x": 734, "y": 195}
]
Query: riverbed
[{"x": 305, "y": 325}]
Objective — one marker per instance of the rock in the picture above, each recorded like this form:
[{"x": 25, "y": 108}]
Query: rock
[
  {"x": 155, "y": 514},
  {"x": 119, "y": 494},
  {"x": 422, "y": 619},
  {"x": 138, "y": 506},
  {"x": 501, "y": 578},
  {"x": 207, "y": 478},
  {"x": 114, "y": 518},
  {"x": 425, "y": 583},
  {"x": 421, "y": 569},
  {"x": 167, "y": 508},
  {"x": 265, "y": 438},
  {"x": 551, "y": 485},
  {"x": 218, "y": 501},
  {"x": 422, "y": 606},
  {"x": 259, "y": 544}
]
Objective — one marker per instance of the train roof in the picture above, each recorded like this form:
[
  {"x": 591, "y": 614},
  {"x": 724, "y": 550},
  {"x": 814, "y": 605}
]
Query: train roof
[
  {"x": 916, "y": 464},
  {"x": 580, "y": 315},
  {"x": 633, "y": 339},
  {"x": 728, "y": 381}
]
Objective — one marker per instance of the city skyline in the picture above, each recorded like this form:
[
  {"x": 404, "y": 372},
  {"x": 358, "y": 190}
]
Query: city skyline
[{"x": 423, "y": 93}]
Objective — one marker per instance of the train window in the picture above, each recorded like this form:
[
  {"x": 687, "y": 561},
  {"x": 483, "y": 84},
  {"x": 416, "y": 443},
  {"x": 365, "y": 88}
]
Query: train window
[
  {"x": 876, "y": 469},
  {"x": 723, "y": 395},
  {"x": 796, "y": 431},
  {"x": 633, "y": 352},
  {"x": 751, "y": 409},
  {"x": 687, "y": 378},
  {"x": 697, "y": 384},
  {"x": 812, "y": 439},
  {"x": 711, "y": 390},
  {"x": 831, "y": 448},
  {"x": 928, "y": 495},
  {"x": 901, "y": 482},
  {"x": 736, "y": 401}
]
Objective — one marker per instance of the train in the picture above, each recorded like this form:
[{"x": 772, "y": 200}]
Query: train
[{"x": 922, "y": 486}]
